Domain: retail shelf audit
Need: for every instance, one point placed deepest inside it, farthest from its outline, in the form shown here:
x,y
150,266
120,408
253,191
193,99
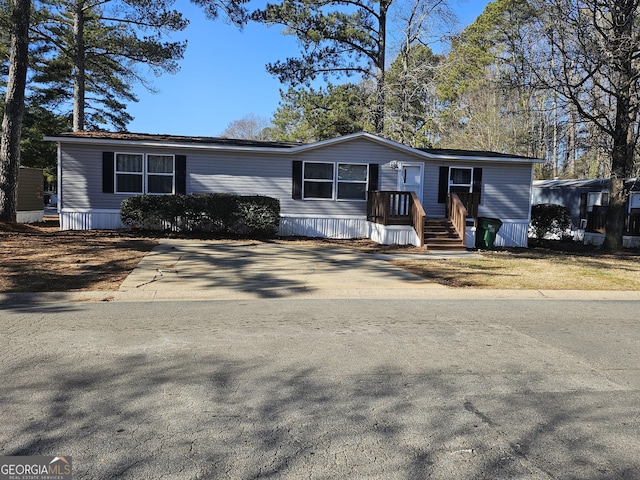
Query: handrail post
x,y
457,213
417,217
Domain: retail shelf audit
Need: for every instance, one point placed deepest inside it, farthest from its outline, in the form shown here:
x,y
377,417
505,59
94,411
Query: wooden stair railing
x,y
417,217
457,213
396,208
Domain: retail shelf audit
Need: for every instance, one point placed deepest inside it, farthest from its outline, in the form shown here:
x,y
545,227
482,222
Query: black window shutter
x,y
108,169
443,184
477,183
374,173
296,190
181,174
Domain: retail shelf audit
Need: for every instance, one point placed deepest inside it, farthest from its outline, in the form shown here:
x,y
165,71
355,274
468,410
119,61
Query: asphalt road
x,y
389,389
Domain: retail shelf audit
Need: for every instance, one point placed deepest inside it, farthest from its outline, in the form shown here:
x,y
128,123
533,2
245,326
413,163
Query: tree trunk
x,y
572,142
622,160
621,168
404,113
616,213
380,69
14,110
78,67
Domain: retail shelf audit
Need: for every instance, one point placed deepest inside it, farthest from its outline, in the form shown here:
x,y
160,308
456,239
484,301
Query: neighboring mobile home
x,y
357,186
30,195
587,201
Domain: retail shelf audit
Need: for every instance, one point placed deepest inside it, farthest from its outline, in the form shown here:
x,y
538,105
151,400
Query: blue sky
x,y
223,76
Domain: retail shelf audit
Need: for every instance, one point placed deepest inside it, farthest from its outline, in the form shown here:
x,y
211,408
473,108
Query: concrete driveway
x,y
223,270
250,269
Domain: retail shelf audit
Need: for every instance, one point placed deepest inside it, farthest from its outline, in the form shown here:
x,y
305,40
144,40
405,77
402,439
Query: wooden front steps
x,y
439,234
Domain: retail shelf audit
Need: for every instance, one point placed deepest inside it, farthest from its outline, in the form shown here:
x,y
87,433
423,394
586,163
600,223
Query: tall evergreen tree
x,y
100,47
313,115
14,107
37,123
339,37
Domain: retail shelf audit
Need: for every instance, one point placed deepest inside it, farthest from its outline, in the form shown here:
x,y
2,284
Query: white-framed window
x,y
334,181
352,181
597,199
460,180
129,173
160,169
634,201
140,173
318,180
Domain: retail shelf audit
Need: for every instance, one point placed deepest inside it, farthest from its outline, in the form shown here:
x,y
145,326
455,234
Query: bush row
x,y
216,213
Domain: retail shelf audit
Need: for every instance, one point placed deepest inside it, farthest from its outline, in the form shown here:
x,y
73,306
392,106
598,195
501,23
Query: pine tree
x,y
14,108
92,53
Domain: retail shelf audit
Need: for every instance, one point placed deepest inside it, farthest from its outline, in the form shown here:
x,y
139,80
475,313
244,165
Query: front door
x,y
410,178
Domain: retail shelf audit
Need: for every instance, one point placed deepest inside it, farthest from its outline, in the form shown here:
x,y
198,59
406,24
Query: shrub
x,y
550,221
218,213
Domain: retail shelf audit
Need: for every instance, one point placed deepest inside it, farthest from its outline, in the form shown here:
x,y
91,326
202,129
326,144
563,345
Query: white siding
x,y
393,234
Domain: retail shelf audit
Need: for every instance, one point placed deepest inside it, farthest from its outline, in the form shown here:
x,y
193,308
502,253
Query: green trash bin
x,y
486,232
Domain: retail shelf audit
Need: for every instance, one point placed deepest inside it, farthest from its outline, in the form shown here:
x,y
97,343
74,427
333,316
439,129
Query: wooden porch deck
x,y
404,208
596,222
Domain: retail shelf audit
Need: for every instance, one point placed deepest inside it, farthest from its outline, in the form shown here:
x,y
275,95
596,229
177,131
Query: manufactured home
x,y
356,186
30,195
587,201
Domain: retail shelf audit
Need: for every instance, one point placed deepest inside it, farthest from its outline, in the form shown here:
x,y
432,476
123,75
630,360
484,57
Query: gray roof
x,y
573,183
471,153
586,183
164,138
272,147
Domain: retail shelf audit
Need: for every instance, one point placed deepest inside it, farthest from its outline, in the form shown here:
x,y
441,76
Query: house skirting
x,y
90,219
323,227
302,226
598,239
290,226
346,227
393,234
513,233
30,216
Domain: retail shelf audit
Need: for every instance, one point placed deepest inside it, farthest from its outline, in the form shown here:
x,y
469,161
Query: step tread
x,y
440,234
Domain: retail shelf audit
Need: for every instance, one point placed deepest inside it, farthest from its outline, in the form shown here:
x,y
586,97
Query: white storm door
x,y
410,178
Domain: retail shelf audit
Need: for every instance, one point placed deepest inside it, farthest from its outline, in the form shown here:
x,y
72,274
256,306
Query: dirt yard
x,y
40,258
